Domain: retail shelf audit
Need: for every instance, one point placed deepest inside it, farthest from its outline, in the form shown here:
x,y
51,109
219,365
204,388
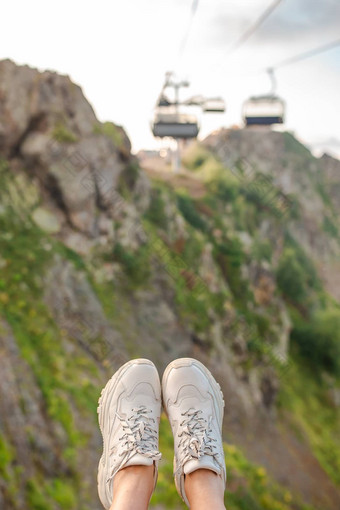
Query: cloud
x,y
299,20
292,20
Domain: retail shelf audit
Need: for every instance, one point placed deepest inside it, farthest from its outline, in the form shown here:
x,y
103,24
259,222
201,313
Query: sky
x,y
119,51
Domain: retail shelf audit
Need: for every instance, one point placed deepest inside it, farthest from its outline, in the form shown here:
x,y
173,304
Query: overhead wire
x,y
306,55
254,27
289,61
247,34
240,41
184,42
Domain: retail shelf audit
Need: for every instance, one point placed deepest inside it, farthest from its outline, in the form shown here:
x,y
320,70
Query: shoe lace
x,y
196,438
140,436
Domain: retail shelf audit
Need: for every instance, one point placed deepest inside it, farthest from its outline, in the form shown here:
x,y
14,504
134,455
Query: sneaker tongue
x,y
139,460
205,462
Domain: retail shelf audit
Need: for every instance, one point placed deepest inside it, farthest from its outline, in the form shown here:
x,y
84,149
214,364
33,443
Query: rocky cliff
x,y
235,262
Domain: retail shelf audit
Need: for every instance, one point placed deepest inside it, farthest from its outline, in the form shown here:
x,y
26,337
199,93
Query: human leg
x,y
129,412
194,404
204,489
132,488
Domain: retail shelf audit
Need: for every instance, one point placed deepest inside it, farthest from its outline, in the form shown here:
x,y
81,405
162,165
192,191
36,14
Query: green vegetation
x,y
318,340
261,191
127,180
9,472
230,256
226,229
249,486
316,322
245,215
330,228
193,298
36,497
226,188
48,495
165,489
305,402
27,254
253,488
32,325
296,148
62,134
296,274
262,250
111,130
156,211
195,156
136,264
187,207
291,277
63,493
6,457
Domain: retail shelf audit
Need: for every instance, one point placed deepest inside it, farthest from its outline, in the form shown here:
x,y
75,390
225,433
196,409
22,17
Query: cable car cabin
x,y
264,111
215,104
175,125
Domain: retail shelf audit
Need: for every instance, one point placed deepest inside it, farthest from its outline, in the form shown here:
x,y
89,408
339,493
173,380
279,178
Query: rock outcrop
x,y
47,125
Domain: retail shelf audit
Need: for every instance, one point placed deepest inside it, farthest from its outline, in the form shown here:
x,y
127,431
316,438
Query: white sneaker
x,y
129,412
194,404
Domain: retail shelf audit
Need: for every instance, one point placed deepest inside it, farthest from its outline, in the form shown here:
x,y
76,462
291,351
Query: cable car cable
x,y
248,33
307,54
275,104
252,29
184,42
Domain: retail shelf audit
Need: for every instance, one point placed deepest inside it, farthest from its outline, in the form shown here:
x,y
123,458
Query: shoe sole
x,y
105,399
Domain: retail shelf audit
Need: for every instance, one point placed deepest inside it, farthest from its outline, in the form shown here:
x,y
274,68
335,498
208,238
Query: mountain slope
x,y
99,263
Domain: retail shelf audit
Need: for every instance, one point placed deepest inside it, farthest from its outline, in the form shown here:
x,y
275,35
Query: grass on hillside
x,y
306,401
63,380
249,486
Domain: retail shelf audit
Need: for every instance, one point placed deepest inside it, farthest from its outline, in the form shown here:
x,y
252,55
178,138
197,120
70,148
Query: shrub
x,y
296,274
35,497
262,250
110,130
226,188
245,215
188,209
156,211
192,250
63,135
211,169
63,493
230,257
127,180
135,264
319,340
291,277
6,457
330,228
195,156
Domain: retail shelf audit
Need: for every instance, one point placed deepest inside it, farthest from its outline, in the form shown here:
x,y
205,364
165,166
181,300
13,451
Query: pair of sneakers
x,y
129,413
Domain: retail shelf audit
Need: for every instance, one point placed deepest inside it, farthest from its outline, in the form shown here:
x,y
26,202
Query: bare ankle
x,y
132,487
204,489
